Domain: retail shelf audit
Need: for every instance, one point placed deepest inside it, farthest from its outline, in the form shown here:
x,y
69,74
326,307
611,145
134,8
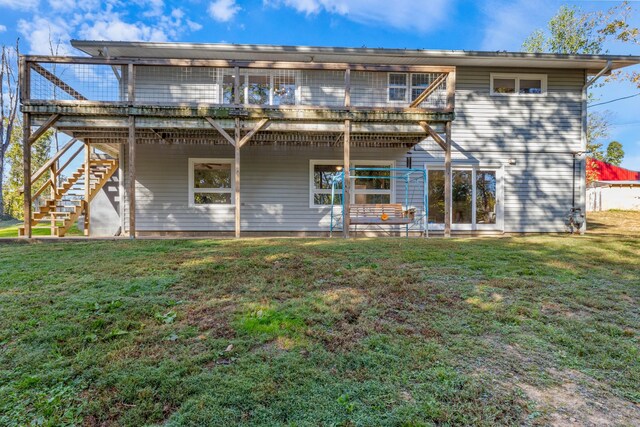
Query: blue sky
x,y
431,24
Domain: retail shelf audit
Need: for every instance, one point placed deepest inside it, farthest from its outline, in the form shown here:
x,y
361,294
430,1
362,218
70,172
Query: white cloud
x,y
19,4
223,10
3,28
110,26
411,15
63,5
43,34
507,25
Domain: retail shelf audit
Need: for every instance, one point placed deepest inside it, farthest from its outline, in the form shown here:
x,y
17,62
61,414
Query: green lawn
x,y
9,230
524,330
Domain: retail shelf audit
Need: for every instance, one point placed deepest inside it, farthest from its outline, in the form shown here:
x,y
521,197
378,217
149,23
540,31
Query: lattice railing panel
x,y
69,82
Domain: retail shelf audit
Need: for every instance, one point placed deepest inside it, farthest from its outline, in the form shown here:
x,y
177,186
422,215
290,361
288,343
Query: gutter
x,y
605,70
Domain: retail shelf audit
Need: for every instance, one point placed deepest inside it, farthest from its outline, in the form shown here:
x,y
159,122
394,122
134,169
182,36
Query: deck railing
x,y
236,84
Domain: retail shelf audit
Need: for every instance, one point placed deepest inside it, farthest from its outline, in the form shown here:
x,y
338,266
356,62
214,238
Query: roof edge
x,y
267,48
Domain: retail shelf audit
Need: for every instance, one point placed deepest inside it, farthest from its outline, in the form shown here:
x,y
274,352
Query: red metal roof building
x,y
598,170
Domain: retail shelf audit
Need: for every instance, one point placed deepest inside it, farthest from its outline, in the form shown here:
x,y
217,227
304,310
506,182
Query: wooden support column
x,y
236,85
87,188
451,90
53,178
132,177
131,84
347,87
26,164
237,179
347,180
447,181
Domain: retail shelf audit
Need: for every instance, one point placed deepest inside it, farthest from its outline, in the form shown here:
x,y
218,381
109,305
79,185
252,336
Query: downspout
x,y
583,150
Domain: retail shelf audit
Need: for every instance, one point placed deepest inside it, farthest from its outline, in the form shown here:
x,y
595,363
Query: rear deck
x,y
119,104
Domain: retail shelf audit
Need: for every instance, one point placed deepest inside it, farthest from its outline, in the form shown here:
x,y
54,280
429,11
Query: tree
x,y
40,154
569,31
8,107
597,130
573,31
616,26
615,153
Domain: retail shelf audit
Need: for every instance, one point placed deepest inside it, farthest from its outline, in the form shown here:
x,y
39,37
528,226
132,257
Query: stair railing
x,y
54,172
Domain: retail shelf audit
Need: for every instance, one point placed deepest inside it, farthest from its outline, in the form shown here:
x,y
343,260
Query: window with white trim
x,y
211,182
262,87
518,84
368,186
474,195
397,88
407,87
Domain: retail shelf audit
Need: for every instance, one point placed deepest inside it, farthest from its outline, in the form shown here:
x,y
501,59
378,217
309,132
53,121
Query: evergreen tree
x,y
615,153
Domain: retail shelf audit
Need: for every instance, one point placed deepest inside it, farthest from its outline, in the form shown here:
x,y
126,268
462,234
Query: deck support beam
x,y
236,164
222,132
447,182
346,184
87,188
132,177
26,164
42,129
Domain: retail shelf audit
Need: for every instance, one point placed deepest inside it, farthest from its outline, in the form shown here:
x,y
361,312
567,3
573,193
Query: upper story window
x,y
518,84
262,87
397,91
406,87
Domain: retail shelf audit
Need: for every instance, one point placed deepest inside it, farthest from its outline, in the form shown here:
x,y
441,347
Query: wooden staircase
x,y
69,200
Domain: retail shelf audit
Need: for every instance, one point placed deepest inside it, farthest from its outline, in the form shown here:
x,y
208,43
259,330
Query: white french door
x,y
476,193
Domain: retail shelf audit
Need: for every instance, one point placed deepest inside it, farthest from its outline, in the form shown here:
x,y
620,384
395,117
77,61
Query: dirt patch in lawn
x,y
564,397
213,320
581,401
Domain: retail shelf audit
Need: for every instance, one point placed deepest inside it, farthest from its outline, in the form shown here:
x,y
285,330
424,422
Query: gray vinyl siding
x,y
530,138
274,188
539,134
201,85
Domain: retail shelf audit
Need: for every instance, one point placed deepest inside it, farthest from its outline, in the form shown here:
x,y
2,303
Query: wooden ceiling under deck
x,y
170,136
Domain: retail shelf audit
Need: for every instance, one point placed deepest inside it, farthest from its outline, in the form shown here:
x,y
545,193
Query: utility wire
x,y
614,100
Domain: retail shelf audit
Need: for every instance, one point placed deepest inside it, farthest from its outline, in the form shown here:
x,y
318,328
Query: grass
x,y
9,230
513,331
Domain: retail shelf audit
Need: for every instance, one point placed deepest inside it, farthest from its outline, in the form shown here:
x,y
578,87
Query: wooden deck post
x,y
53,178
447,182
451,90
87,188
347,180
132,177
26,164
237,179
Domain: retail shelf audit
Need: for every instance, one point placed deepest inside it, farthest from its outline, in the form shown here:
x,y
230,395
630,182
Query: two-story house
x,y
199,139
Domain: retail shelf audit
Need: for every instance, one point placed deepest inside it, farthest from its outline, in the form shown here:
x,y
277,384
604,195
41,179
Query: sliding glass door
x,y
476,194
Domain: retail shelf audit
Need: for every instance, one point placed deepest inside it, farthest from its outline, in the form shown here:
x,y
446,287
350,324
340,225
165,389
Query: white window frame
x,y
474,168
412,87
193,190
517,77
354,164
244,85
395,86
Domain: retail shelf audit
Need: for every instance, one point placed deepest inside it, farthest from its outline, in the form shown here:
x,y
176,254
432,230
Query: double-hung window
x,y
211,182
397,89
404,88
371,184
518,84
